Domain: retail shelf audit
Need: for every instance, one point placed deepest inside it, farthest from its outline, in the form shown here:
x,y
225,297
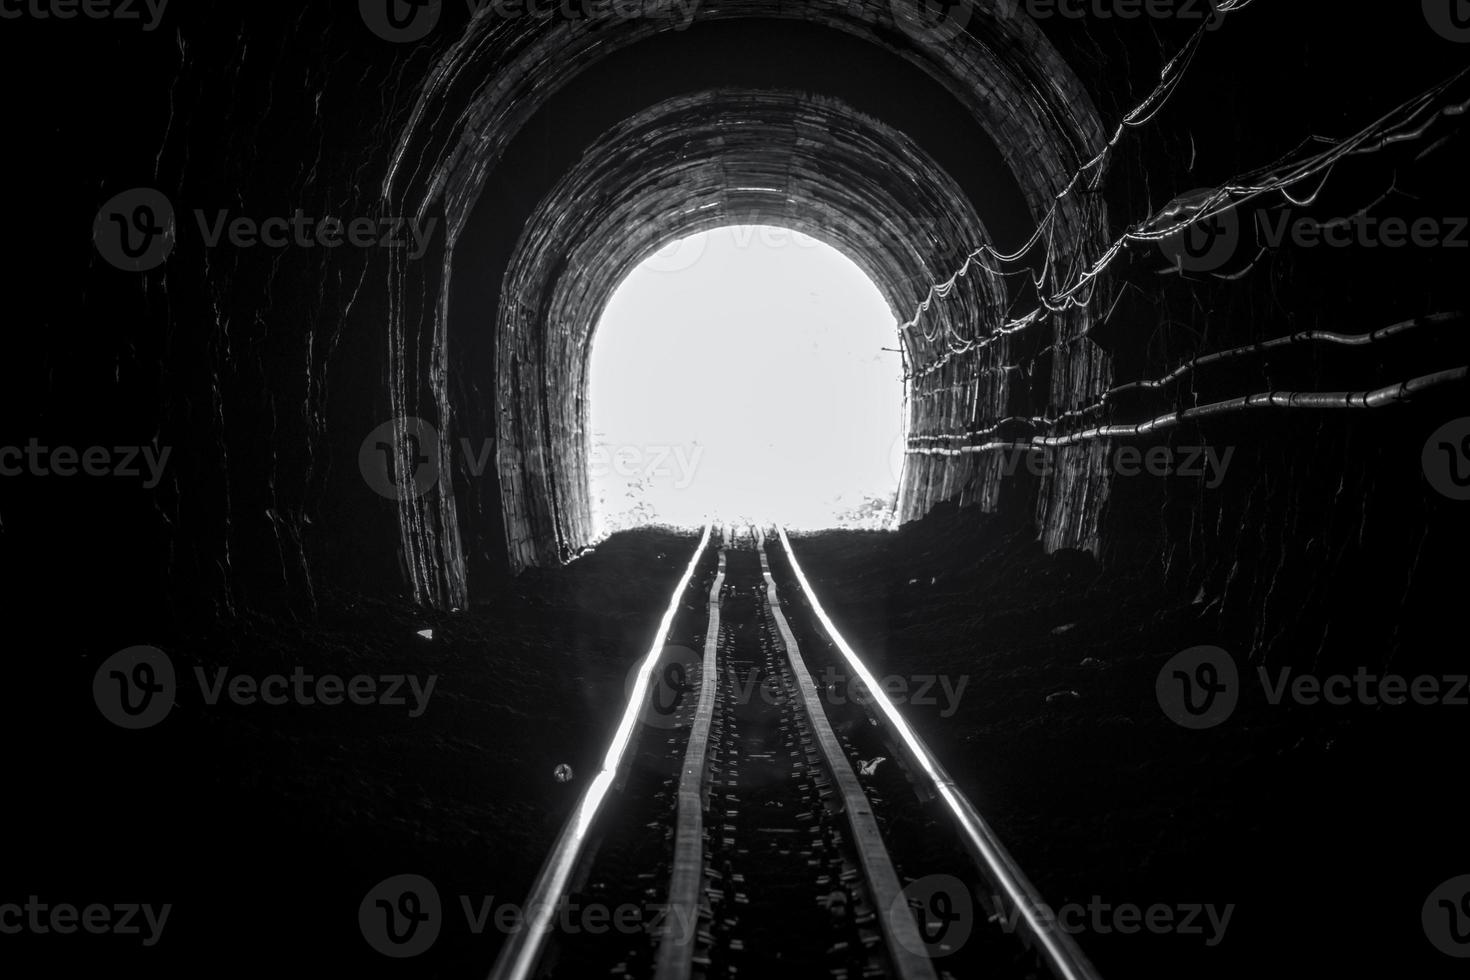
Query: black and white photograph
x,y
735,489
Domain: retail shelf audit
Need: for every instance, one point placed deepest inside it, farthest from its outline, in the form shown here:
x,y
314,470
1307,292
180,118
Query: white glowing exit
x,y
741,374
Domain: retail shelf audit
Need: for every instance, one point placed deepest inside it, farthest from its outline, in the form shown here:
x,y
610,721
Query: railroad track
x,y
747,837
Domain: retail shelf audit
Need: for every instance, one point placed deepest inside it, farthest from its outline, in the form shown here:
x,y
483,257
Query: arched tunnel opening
x,y
779,355
814,165
678,488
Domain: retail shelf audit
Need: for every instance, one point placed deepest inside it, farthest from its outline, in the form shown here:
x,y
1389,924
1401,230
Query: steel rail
x,y
1057,950
675,959
519,955
906,947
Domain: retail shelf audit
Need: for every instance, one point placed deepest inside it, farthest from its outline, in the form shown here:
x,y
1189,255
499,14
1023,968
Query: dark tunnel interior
x,y
1178,289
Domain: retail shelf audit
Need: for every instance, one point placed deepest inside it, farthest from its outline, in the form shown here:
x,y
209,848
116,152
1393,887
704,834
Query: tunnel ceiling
x,y
491,81
692,118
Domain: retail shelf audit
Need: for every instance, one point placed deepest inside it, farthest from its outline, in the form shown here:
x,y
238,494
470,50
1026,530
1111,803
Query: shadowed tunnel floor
x,y
265,826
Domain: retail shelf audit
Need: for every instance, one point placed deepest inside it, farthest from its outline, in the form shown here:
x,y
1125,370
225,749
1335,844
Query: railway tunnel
x,y
1018,149
810,150
1177,292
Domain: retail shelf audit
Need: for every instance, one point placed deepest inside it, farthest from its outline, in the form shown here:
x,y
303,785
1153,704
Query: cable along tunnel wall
x,y
822,167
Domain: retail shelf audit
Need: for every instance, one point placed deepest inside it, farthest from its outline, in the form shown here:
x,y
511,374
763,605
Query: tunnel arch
x,y
487,88
685,166
499,71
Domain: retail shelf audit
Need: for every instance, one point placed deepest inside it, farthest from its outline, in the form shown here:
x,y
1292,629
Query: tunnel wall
x,y
1004,75
265,369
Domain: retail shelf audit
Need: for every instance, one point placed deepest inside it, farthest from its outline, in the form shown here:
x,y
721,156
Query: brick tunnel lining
x,y
1004,75
696,163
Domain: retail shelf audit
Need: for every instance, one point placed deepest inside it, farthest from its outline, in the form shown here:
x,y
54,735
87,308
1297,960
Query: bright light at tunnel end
x,y
748,373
